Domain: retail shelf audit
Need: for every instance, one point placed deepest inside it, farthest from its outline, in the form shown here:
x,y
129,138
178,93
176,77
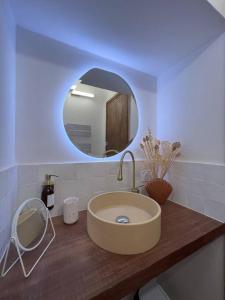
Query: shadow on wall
x,y
45,48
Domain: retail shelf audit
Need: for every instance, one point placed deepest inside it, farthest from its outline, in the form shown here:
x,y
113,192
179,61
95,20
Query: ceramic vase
x,y
159,190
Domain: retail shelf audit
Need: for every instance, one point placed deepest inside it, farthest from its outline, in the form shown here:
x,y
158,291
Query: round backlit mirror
x,y
30,224
100,114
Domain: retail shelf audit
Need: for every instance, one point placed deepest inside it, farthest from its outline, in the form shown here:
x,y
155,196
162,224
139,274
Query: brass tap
x,y
120,173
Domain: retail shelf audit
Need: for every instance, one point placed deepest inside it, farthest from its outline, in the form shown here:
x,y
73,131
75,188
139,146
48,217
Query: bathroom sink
x,y
124,222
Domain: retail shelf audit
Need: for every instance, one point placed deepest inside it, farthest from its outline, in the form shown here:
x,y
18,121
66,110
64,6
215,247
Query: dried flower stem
x,y
159,156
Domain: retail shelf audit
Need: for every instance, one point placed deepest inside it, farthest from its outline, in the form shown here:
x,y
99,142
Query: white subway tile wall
x,y
199,186
83,180
8,196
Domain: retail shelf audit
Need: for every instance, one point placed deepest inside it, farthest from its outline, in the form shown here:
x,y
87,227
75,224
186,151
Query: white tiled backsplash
x,y
196,185
8,195
200,187
83,180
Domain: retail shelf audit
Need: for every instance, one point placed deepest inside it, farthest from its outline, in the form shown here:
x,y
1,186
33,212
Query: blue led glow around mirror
x,y
74,151
100,113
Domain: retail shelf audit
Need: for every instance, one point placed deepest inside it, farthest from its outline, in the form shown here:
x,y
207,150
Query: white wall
x,y
7,86
8,173
45,71
191,109
191,106
199,276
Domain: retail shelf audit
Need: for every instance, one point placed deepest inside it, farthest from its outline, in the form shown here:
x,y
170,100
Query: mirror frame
x,y
15,242
15,221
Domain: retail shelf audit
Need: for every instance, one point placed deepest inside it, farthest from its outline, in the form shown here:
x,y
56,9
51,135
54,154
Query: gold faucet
x,y
120,173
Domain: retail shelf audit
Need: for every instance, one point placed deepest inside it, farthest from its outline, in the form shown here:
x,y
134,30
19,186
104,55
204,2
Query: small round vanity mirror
x,y
30,224
100,114
29,227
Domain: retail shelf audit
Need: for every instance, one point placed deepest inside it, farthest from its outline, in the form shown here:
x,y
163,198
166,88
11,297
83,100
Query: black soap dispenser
x,y
48,193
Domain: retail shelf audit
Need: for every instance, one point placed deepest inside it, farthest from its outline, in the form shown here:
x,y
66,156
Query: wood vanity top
x,y
75,268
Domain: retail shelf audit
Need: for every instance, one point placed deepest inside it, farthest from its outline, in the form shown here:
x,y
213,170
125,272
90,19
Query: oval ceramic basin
x,y
139,235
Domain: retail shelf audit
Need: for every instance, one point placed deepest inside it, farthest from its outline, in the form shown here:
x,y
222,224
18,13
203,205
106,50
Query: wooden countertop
x,y
75,268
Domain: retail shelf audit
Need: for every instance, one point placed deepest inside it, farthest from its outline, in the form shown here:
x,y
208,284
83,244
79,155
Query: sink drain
x,y
122,220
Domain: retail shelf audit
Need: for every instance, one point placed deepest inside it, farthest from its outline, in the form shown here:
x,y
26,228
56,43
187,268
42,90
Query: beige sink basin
x,y
139,235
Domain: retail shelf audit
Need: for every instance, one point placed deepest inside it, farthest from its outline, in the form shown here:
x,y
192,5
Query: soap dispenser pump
x,y
48,193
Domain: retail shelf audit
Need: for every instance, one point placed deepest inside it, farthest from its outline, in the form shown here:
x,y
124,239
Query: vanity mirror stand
x,y
29,227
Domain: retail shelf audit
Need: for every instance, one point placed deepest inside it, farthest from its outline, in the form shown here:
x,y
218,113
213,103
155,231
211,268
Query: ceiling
x,y
147,35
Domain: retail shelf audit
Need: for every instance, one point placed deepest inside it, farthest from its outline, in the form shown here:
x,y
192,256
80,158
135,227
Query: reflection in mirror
x,y
31,224
100,114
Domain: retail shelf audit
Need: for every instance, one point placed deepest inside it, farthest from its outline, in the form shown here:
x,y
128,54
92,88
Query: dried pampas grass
x,y
159,155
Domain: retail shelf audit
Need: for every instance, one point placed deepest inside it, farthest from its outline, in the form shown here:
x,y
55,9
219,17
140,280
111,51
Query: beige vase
x,y
159,190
